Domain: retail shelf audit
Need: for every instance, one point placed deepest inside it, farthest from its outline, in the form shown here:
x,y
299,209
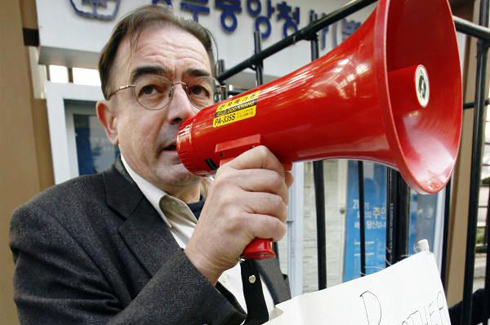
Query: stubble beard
x,y
175,177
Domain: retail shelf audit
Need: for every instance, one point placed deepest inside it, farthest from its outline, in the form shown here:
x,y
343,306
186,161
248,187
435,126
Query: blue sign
x,y
375,220
90,8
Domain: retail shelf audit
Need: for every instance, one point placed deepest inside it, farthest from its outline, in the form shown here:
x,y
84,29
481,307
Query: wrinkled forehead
x,y
167,46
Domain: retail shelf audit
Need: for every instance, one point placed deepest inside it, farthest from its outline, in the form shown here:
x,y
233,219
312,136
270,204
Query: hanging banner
x,y
407,293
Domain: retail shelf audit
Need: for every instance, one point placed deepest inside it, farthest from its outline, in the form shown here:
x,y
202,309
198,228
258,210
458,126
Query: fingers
x,y
258,157
262,226
258,180
262,158
265,204
248,199
289,179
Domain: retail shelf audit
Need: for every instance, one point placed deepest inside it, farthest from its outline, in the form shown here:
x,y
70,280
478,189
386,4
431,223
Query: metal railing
x,y
397,190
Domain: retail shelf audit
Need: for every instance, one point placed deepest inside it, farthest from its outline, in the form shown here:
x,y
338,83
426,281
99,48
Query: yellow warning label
x,y
236,110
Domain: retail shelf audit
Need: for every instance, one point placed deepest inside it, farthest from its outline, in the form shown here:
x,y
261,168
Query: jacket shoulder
x,y
72,194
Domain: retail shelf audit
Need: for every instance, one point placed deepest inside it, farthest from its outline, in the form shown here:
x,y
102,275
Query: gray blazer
x,y
93,250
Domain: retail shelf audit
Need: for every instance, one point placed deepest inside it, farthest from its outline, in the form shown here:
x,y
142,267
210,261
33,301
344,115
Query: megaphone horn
x,y
390,93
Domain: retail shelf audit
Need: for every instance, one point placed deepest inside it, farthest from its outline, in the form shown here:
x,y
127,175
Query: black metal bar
x,y
398,217
220,67
320,223
315,49
319,201
362,218
487,222
479,31
401,219
306,33
486,301
259,66
475,175
447,207
391,190
472,104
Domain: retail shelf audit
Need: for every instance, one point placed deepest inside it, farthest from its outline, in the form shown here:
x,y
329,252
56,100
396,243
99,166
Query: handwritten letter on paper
x,y
408,293
434,312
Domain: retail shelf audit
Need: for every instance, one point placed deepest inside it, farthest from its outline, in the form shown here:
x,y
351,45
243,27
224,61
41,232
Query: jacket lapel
x,y
149,238
143,230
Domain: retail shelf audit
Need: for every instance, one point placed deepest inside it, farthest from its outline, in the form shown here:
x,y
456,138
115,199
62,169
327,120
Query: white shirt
x,y
182,222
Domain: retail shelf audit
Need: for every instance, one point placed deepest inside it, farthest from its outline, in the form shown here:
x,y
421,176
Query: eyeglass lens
x,y
155,92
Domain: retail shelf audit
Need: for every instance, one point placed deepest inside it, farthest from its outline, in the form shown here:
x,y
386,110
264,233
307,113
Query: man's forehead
x,y
158,48
149,69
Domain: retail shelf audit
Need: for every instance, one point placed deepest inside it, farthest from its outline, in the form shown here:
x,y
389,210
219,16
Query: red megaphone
x,y
391,94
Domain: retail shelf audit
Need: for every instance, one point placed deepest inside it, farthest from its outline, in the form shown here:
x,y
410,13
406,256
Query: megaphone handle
x,y
259,248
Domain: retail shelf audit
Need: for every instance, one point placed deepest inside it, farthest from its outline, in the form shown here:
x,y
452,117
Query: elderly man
x,y
147,242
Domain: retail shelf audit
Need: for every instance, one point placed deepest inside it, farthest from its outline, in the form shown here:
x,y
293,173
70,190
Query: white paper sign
x,y
407,293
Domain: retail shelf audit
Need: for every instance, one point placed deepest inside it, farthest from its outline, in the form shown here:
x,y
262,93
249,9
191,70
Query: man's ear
x,y
108,119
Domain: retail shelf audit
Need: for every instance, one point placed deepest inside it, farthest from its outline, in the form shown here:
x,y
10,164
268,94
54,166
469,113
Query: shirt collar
x,y
150,191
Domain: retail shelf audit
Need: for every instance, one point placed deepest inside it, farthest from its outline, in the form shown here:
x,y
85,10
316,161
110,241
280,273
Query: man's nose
x,y
180,108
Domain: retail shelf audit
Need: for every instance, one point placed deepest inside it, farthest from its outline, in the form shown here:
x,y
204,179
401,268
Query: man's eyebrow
x,y
197,73
147,69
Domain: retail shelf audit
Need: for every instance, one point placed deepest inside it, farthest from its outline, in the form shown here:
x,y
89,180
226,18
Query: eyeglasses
x,y
155,92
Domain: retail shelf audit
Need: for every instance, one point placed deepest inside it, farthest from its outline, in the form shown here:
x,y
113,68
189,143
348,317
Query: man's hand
x,y
247,199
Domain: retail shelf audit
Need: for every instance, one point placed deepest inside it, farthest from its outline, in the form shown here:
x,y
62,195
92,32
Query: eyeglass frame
x,y
217,95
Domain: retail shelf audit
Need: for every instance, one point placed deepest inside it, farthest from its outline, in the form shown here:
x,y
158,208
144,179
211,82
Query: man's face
x,y
147,138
